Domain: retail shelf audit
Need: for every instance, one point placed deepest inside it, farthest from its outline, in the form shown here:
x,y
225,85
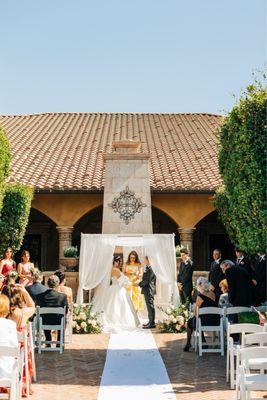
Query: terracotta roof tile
x,y
64,150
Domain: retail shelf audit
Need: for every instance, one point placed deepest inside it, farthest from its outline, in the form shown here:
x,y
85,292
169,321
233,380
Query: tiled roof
x,y
64,150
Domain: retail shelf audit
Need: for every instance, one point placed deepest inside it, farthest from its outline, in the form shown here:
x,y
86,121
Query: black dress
x,y
207,319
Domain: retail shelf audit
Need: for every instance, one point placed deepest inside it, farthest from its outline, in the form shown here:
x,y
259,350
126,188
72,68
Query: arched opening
x,y
210,234
41,240
92,223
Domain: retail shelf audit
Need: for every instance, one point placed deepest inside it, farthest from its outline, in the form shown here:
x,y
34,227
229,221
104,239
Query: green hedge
x,y
4,162
241,202
14,215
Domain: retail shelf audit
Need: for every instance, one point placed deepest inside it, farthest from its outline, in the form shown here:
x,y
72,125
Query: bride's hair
x,y
133,253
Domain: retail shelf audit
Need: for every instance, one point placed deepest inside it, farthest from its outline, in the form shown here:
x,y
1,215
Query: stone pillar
x,y
127,197
186,238
65,237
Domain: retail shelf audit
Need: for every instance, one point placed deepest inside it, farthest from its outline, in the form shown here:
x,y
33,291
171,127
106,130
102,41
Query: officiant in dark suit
x,y
185,276
148,285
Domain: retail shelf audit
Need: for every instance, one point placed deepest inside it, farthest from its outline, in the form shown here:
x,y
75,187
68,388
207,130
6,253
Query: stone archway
x,y
210,233
162,223
41,240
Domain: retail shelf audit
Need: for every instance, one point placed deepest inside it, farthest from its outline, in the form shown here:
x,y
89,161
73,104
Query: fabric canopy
x,y
96,260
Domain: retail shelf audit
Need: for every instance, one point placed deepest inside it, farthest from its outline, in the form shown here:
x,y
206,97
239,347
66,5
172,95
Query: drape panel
x,y
96,260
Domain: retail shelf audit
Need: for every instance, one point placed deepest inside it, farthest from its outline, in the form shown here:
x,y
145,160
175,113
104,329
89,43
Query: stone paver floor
x,y
76,374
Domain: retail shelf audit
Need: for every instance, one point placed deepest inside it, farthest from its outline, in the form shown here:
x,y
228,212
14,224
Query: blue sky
x,y
128,55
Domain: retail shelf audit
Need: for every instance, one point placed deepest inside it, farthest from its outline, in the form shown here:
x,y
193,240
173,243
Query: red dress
x,y
7,267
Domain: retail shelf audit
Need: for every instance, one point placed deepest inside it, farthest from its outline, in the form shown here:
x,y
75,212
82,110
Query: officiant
x,y
148,285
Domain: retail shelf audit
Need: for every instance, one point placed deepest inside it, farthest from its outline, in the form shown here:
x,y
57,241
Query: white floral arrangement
x,y
176,319
84,320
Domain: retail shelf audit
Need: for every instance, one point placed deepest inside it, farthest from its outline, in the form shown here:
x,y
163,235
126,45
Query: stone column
x,y
65,237
186,238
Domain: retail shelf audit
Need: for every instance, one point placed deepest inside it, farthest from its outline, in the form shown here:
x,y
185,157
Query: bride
x,y
114,304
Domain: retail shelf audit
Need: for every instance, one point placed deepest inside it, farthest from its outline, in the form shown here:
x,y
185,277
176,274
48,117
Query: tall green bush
x,y
241,202
14,216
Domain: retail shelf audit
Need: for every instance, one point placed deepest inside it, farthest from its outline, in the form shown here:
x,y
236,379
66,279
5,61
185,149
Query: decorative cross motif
x,y
127,205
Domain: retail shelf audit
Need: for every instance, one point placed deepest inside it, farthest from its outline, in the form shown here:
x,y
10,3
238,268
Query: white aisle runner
x,y
134,369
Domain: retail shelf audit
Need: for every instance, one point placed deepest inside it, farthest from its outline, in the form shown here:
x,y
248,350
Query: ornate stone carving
x,y
127,205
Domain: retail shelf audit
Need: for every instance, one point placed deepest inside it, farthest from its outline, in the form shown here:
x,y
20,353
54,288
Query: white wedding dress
x,y
115,306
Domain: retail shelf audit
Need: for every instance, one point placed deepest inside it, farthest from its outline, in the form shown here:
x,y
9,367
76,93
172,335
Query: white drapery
x,y
96,260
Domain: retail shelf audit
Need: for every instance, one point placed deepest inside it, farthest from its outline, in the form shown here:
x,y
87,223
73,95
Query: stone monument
x,y
127,198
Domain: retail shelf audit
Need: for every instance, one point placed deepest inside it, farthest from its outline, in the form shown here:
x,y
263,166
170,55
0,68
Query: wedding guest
x,y
37,287
260,268
25,268
62,288
133,270
240,286
205,298
224,298
216,274
148,285
7,263
184,279
52,298
8,337
243,261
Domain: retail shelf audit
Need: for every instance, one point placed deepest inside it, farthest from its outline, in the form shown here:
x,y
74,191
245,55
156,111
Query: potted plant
x,y
70,259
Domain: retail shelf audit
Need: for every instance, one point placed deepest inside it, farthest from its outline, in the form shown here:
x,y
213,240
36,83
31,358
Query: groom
x,y
148,284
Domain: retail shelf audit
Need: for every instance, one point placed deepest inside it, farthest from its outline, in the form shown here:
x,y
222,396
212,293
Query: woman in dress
x,y
114,304
7,263
62,288
133,270
25,269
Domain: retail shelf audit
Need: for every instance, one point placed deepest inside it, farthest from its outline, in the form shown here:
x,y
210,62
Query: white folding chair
x,y
254,339
231,346
12,383
24,365
216,328
234,311
46,327
69,320
32,348
248,359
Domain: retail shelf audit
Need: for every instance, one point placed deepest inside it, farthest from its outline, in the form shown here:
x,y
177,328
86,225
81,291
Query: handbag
x,y
248,317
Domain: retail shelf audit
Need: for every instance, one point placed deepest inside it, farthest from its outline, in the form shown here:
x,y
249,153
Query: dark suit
x,y
35,289
185,278
245,263
260,276
51,298
148,285
240,287
215,277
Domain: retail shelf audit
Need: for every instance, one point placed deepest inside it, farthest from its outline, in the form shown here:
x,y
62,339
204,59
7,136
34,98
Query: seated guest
x,y
8,337
184,279
37,287
216,274
205,298
62,288
224,300
52,298
260,278
240,286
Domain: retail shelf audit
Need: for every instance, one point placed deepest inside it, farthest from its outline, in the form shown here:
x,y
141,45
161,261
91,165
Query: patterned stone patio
x,y
76,374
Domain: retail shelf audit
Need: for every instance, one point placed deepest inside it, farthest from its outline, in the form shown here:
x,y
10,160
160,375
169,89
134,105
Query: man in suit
x,y
52,298
216,275
37,287
148,285
260,278
243,261
240,286
184,279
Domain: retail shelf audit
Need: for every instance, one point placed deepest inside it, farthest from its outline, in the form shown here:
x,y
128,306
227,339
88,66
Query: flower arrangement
x,y
84,320
71,252
176,320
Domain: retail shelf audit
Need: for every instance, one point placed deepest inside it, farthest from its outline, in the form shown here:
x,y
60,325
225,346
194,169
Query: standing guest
x,y
8,337
240,286
25,268
62,288
243,261
216,274
148,285
260,277
7,263
52,298
205,298
37,287
184,279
